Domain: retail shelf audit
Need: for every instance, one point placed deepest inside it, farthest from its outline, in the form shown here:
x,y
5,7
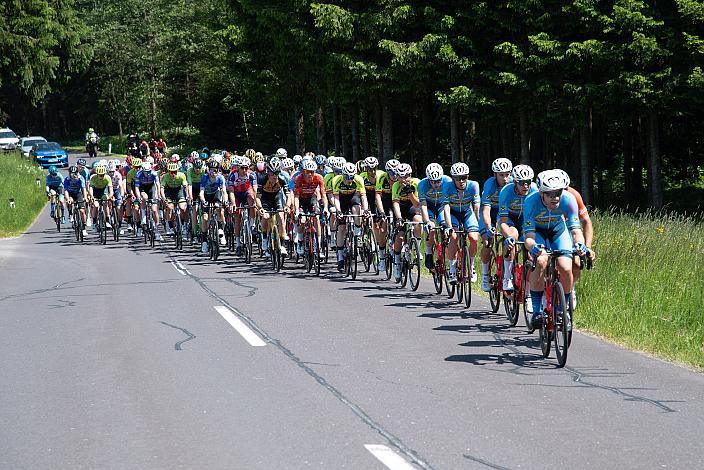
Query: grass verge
x,y
18,181
645,291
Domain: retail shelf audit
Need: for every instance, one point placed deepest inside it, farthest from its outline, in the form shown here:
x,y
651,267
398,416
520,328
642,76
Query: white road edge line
x,y
181,271
388,457
239,325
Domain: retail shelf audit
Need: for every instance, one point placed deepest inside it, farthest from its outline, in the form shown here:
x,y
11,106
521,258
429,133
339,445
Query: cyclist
x,y
430,197
242,186
382,194
272,190
511,200
54,182
173,191
406,206
131,188
281,153
144,150
99,182
551,216
147,188
75,187
83,171
118,189
92,140
213,190
309,188
161,146
322,163
350,197
337,164
490,209
193,178
370,177
461,200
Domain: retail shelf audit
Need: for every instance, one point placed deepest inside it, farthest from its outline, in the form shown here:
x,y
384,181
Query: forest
x,y
611,91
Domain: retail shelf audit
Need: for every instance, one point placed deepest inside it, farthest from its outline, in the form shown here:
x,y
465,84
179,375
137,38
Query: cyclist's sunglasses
x,y
435,181
308,172
461,178
523,182
553,194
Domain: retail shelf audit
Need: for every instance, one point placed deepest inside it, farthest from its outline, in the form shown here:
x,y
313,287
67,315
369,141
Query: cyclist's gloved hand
x,y
509,241
261,210
492,231
427,227
537,250
448,231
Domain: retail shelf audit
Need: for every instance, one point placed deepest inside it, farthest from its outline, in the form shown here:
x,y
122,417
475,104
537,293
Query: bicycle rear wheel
x,y
365,252
58,215
449,288
315,252
115,224
101,227
353,257
561,323
307,251
178,233
526,270
461,272
438,268
246,241
545,329
494,292
414,264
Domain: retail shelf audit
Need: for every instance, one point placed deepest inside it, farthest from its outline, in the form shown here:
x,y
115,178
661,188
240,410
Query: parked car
x,y
26,143
8,139
49,153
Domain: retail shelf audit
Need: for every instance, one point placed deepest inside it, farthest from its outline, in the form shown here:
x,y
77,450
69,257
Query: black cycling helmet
x,y
213,164
82,162
72,169
197,163
206,150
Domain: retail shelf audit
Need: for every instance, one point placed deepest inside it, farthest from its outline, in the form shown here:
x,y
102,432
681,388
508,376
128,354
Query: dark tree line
x,y
611,91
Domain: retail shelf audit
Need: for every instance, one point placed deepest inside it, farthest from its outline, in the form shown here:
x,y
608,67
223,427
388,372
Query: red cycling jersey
x,y
581,208
306,189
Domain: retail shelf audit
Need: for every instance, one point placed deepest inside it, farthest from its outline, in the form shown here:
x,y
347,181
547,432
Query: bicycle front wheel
x,y
353,257
494,292
560,322
414,265
467,278
101,228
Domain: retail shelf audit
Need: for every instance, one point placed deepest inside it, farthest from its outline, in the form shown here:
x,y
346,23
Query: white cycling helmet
x,y
552,180
309,165
522,173
336,163
349,169
245,161
308,156
274,165
459,169
111,166
194,155
540,176
103,162
149,160
371,162
288,164
434,171
403,170
565,176
147,166
391,165
501,165
217,157
297,159
281,152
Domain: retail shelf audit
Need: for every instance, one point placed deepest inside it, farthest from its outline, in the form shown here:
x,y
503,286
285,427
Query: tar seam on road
x,y
578,375
393,440
484,462
190,335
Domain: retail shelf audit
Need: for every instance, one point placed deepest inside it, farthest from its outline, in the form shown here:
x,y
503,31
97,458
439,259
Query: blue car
x,y
49,153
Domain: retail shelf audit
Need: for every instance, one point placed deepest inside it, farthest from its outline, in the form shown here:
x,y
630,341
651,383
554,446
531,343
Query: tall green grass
x,y
646,290
18,181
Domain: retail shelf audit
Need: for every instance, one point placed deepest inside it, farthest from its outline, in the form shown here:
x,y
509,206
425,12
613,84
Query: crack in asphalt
x,y
577,377
190,335
361,414
484,462
40,291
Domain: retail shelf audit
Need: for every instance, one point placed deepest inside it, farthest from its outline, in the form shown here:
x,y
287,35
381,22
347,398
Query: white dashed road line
x,y
388,457
239,325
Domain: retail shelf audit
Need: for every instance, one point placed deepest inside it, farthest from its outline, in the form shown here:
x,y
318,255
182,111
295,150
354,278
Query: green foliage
x,y
17,181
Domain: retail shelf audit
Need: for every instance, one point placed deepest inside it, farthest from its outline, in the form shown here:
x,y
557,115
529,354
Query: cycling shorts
x,y
408,211
57,189
272,202
175,194
78,198
468,219
149,190
243,198
493,215
556,241
309,205
347,202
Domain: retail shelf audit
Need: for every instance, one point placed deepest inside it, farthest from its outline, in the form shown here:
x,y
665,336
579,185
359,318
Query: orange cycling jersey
x,y
581,208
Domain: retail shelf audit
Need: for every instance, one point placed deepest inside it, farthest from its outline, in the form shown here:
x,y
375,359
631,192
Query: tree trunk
x,y
427,131
345,134
585,160
366,129
505,139
412,143
300,131
321,132
355,131
472,154
387,128
525,137
454,134
655,185
336,130
379,131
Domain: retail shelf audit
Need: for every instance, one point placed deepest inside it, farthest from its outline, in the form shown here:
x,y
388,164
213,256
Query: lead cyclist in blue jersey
x,y
551,222
490,210
461,205
430,197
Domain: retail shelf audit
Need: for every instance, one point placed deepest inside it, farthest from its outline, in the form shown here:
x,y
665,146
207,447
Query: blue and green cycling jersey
x,y
490,192
538,217
211,186
511,204
53,181
431,196
460,201
74,185
146,178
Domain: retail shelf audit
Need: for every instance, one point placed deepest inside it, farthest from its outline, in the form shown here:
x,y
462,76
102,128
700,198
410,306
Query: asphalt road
x,y
121,356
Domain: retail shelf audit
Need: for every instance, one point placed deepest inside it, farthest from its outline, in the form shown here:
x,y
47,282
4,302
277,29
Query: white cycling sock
x,y
508,266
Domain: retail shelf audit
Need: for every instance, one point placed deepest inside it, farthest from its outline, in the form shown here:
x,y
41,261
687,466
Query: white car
x,y
26,143
8,139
